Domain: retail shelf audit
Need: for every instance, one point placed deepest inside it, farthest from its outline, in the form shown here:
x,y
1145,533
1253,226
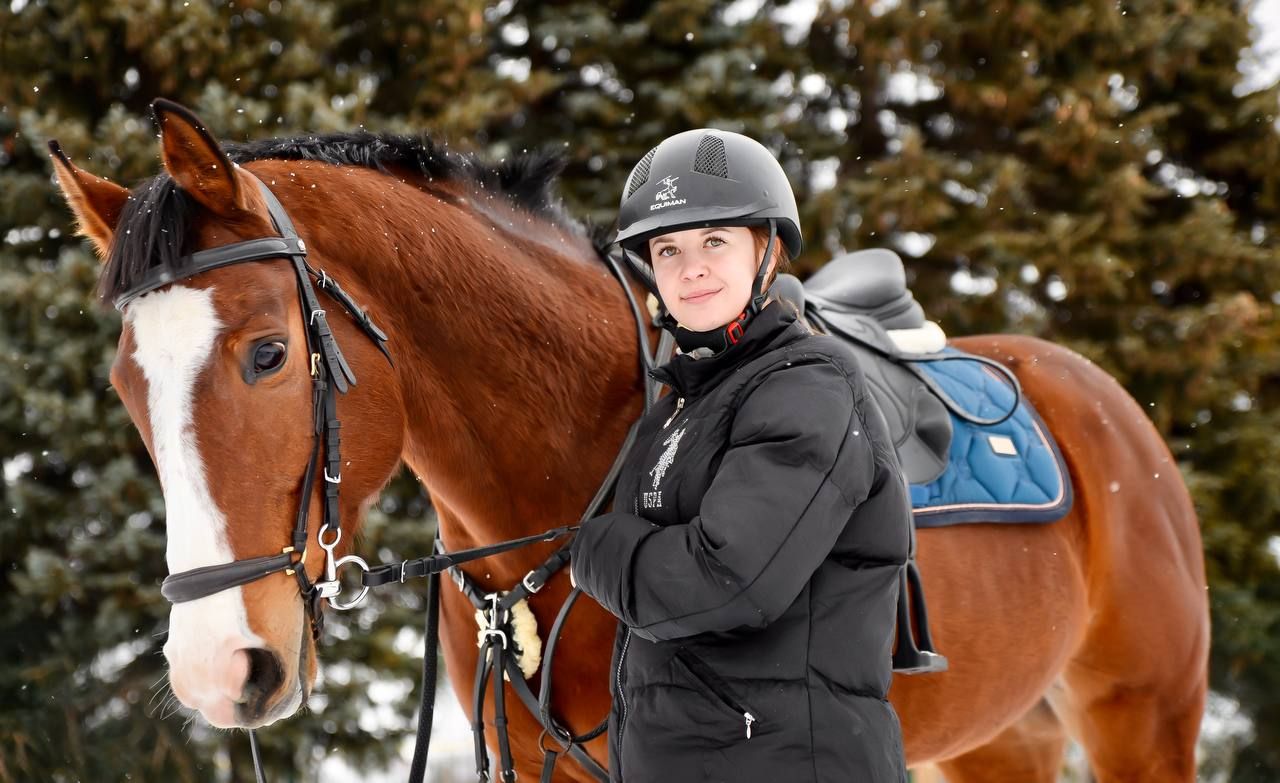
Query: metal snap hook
x,y
493,618
330,588
329,546
333,599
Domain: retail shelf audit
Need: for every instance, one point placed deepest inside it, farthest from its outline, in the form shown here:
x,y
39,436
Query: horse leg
x,y
1132,730
1133,692
1029,750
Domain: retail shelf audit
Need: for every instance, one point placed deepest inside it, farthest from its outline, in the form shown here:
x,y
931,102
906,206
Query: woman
x,y
759,523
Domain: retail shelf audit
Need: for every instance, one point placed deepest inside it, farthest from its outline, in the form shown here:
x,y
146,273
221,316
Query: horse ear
x,y
95,201
195,161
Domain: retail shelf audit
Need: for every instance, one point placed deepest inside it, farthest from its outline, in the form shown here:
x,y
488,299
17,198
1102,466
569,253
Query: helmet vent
x,y
640,174
710,158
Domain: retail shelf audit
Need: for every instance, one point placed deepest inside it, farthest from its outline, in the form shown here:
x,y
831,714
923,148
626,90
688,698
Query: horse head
x,y
219,371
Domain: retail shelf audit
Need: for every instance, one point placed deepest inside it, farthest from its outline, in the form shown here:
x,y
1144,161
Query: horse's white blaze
x,y
175,331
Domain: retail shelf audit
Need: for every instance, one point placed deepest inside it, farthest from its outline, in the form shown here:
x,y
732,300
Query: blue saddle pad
x,y
1006,472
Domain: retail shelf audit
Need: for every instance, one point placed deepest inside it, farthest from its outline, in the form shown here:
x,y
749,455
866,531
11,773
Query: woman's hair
x,y
761,235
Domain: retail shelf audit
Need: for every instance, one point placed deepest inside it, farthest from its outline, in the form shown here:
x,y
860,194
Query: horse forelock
x,y
154,230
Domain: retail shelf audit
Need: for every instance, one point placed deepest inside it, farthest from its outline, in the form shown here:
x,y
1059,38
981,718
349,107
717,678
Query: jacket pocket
x,y
720,690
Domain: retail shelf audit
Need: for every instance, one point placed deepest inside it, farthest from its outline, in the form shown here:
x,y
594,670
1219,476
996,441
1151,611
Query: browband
x,y
214,258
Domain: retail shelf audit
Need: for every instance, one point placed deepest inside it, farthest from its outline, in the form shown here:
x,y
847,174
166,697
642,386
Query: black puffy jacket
x,y
752,556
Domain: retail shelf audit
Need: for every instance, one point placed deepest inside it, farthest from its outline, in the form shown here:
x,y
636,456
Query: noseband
x,y
330,374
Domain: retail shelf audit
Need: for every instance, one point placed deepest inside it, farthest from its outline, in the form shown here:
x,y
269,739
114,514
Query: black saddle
x,y
858,297
870,283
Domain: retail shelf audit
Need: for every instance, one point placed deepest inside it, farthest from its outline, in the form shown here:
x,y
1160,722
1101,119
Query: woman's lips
x,y
702,297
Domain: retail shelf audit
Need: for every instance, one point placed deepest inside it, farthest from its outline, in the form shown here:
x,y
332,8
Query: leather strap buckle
x,y
531,588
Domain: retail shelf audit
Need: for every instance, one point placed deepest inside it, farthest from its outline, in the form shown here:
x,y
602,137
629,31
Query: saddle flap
x,y
918,421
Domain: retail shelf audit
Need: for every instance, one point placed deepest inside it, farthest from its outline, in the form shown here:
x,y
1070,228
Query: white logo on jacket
x,y
659,469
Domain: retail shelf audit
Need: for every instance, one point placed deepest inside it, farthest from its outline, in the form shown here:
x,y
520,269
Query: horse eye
x,y
268,356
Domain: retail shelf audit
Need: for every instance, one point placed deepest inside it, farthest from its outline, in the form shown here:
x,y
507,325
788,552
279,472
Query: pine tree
x,y
83,621
1083,172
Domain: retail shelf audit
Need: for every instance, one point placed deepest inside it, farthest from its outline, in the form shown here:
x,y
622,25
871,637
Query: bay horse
x,y
516,377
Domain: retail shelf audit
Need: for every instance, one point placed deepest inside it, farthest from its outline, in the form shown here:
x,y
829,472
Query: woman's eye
x,y
268,356
717,240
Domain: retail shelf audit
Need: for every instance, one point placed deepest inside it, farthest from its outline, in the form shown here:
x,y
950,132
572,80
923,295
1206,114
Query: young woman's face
x,y
705,274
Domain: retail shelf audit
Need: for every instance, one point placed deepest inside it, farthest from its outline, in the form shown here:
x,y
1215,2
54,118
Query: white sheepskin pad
x,y
527,645
925,339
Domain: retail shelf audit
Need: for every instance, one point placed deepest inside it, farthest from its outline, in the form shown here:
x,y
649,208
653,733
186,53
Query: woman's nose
x,y
693,269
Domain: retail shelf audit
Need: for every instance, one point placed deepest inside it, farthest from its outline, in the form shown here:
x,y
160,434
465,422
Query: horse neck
x,y
514,347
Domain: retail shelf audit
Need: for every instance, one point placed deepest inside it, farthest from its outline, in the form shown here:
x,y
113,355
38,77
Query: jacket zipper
x,y
622,699
704,674
674,413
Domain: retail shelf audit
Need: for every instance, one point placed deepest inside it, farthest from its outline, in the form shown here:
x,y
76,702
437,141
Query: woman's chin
x,y
698,325
701,319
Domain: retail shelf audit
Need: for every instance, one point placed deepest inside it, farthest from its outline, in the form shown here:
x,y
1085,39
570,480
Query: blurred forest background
x,y
1094,173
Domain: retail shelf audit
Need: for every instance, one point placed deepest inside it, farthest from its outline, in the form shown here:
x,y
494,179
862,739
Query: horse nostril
x,y
265,677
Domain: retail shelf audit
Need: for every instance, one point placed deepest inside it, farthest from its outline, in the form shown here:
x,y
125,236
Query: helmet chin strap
x,y
757,295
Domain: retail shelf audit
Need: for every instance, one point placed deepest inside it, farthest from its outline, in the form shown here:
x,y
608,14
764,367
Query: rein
x,y
330,375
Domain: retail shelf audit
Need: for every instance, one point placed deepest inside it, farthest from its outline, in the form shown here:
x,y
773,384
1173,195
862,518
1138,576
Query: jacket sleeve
x,y
798,463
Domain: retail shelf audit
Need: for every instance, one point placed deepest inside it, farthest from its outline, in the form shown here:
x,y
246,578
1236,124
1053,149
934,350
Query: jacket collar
x,y
774,325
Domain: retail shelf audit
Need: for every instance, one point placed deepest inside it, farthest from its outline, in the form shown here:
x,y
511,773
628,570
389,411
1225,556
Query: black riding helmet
x,y
699,178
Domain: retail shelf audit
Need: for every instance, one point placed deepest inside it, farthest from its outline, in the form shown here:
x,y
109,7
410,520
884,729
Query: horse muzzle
x,y
236,682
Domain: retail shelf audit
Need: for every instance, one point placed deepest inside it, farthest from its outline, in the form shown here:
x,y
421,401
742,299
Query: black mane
x,y
153,226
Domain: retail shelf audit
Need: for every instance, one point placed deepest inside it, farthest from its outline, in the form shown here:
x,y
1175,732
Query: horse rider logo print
x,y
654,499
666,197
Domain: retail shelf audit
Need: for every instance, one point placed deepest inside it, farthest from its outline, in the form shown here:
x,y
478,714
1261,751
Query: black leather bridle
x,y
330,374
